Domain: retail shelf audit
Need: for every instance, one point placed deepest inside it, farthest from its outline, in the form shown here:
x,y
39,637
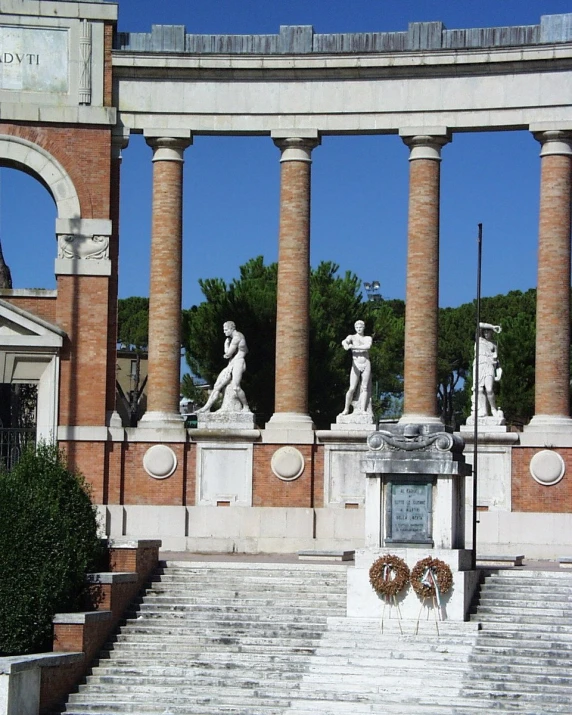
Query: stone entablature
x,y
301,39
52,62
432,80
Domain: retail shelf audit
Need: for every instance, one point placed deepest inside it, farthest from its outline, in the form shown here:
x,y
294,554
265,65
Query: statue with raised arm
x,y
490,372
359,394
235,350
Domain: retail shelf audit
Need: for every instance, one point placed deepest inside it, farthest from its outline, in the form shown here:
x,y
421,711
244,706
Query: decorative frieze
x,y
83,247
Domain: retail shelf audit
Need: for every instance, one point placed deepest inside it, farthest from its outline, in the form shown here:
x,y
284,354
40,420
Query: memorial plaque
x,y
33,59
408,507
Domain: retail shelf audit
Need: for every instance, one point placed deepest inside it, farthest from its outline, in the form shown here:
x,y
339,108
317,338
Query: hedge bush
x,y
48,540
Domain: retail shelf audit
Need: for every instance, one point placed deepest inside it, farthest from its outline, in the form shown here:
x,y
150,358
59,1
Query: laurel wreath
x,y
389,575
440,574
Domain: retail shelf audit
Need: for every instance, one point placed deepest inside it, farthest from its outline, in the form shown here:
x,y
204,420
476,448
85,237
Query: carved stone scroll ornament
x,y
414,439
83,247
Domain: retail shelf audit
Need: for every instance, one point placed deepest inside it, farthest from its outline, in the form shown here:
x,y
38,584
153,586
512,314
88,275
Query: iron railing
x,y
13,442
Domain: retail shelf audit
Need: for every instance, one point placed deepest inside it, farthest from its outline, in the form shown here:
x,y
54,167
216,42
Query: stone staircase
x,y
522,660
215,638
272,639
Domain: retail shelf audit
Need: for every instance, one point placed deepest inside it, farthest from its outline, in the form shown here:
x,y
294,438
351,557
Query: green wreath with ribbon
x,y
388,575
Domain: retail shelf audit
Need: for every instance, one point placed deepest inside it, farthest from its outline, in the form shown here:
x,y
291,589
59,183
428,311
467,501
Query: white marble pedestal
x,y
414,504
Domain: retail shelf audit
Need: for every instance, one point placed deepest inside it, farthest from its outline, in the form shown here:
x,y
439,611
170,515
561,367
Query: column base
x,y
161,420
289,427
113,419
413,418
548,431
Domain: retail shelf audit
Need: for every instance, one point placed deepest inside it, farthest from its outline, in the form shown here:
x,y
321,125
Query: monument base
x,y
225,420
356,422
364,602
414,509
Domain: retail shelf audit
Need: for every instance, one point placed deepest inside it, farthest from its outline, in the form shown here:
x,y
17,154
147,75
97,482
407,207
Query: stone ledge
x,y
81,618
112,577
20,663
565,562
135,543
500,560
358,436
326,555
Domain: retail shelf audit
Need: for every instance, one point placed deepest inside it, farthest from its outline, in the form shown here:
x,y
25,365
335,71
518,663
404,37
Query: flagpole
x,y
476,391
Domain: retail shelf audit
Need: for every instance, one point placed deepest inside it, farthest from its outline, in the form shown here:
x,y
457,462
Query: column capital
x,y
119,141
554,142
296,147
425,146
169,146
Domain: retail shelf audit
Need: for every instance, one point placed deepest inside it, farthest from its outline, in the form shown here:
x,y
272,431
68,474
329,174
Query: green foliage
x,y
386,321
515,312
48,539
133,323
455,355
250,301
335,304
191,390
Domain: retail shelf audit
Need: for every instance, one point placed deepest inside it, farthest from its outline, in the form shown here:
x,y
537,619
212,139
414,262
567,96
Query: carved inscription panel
x,y
34,59
409,512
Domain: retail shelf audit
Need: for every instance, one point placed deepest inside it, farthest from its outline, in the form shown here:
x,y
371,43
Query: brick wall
x,y
306,491
83,313
89,459
83,303
83,151
140,488
42,307
529,495
115,471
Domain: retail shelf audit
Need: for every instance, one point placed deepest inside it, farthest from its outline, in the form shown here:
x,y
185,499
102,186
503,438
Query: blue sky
x,y
359,184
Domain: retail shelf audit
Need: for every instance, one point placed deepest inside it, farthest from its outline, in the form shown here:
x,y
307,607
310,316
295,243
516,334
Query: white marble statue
x,y
490,372
359,394
235,350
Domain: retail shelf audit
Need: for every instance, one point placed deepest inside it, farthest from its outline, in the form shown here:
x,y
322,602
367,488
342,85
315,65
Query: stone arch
x,y
36,161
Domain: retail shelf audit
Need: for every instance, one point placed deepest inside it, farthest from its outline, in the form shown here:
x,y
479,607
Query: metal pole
x,y
476,391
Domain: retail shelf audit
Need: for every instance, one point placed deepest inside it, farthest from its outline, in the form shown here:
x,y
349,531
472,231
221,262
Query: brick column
x,y
422,292
165,285
293,298
552,381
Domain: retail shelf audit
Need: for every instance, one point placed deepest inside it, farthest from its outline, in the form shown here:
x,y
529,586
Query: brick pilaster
x,y
422,292
165,285
292,321
552,383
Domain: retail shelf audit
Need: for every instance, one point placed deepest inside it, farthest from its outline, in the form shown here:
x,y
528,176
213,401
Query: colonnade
x,y
422,292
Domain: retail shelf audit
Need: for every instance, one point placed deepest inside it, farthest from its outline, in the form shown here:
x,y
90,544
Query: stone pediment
x,y
21,330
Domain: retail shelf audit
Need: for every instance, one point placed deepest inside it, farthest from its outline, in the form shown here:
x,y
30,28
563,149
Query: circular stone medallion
x,y
547,467
160,461
287,463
